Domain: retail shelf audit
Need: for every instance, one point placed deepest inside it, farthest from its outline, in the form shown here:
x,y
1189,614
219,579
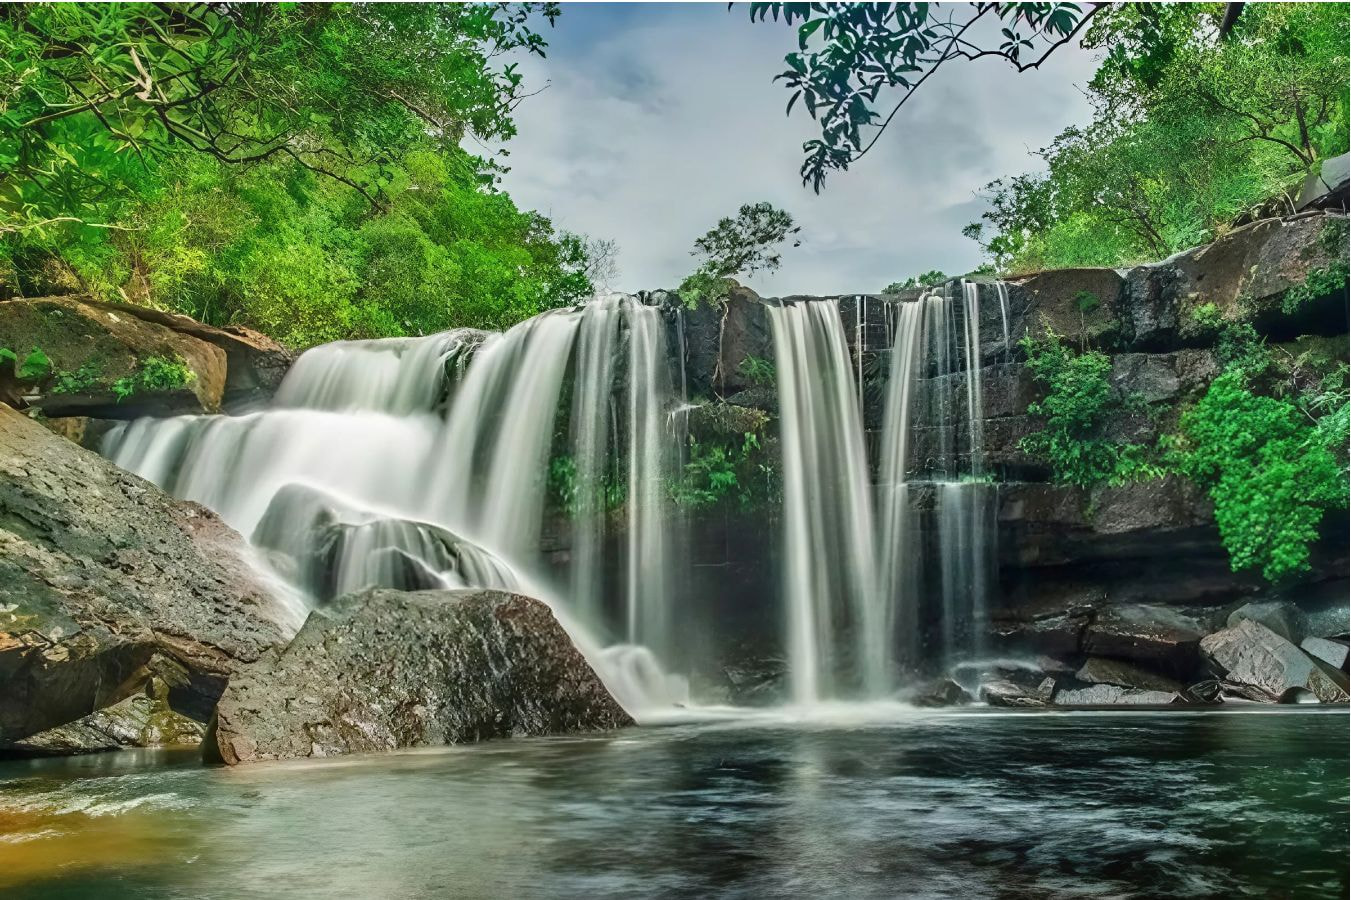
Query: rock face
x,y
99,354
105,579
380,670
1113,695
1253,655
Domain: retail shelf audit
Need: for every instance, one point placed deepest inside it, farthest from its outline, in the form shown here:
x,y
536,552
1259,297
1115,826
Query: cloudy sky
x,y
659,119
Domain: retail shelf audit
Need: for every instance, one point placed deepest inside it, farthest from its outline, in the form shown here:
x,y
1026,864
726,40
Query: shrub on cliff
x,y
1271,468
1076,411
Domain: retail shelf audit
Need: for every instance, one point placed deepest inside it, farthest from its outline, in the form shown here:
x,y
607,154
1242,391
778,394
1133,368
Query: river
x,y
872,803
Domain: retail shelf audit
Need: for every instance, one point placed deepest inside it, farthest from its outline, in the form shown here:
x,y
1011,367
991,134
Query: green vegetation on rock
x,y
1271,468
1077,410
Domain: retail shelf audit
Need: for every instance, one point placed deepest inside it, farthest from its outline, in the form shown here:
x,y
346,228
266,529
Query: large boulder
x,y
1157,638
381,669
1252,655
119,360
105,579
106,362
1114,695
1123,674
255,364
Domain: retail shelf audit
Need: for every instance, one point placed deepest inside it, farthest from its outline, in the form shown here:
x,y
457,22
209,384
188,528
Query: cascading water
x,y
377,467
456,459
829,584
936,362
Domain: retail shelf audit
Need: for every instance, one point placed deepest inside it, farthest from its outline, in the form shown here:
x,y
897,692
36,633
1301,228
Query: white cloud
x,y
659,119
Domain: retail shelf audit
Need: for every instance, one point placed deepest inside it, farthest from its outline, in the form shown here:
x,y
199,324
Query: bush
x,y
1271,473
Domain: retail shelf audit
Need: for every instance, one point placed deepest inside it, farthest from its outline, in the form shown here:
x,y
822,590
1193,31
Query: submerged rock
x,y
103,577
938,692
1252,655
381,670
1006,692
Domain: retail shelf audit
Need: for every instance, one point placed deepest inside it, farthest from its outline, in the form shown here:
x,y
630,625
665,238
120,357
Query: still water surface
x,y
942,804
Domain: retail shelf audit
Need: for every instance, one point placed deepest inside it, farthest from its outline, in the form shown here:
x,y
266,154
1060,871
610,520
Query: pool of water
x,y
935,804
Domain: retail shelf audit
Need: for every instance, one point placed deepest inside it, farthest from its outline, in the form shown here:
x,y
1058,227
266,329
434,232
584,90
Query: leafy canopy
x,y
851,57
296,168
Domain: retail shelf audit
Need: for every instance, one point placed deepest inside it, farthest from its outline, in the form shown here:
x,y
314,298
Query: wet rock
x,y
1281,617
99,357
718,419
1156,637
1123,674
332,547
937,692
380,670
1113,695
1334,653
745,335
142,720
102,575
1253,655
1017,694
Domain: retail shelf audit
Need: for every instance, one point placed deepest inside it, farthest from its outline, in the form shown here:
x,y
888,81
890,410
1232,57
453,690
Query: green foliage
x,y
1193,131
1079,406
1271,475
849,54
758,370
932,278
1321,282
568,492
155,373
703,287
34,367
82,379
719,471
295,168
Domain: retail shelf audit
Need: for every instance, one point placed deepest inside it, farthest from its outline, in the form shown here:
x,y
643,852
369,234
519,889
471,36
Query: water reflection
x,y
934,805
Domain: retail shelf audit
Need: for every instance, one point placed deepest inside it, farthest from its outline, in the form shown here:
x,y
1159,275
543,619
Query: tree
x,y
744,244
93,90
296,168
1191,133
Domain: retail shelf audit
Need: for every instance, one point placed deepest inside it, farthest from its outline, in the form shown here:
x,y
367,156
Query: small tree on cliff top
x,y
745,244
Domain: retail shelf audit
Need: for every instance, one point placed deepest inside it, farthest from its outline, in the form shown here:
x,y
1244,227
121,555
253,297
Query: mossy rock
x,y
108,363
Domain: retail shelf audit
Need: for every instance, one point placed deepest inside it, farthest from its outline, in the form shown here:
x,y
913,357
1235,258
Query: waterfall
x,y
935,364
829,576
541,459
394,463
